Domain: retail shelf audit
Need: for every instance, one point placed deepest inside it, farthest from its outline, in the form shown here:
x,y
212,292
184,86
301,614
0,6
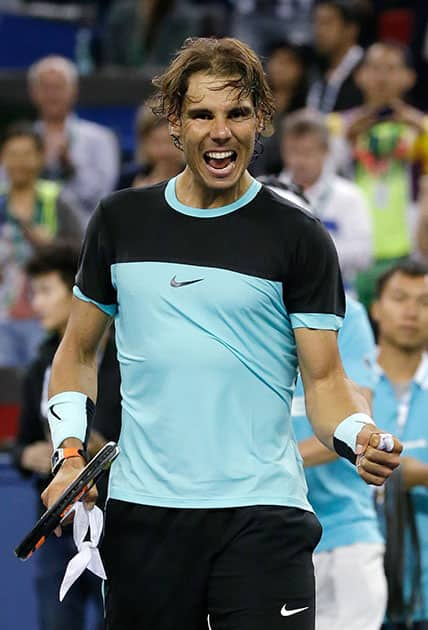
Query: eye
x,y
240,113
201,115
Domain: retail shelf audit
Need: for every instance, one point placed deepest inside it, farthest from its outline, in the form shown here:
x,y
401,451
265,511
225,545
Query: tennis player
x,y
218,288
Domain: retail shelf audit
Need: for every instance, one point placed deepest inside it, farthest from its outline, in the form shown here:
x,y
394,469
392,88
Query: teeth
x,y
219,155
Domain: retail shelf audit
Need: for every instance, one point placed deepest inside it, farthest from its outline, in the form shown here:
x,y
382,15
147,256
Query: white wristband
x,y
69,414
345,435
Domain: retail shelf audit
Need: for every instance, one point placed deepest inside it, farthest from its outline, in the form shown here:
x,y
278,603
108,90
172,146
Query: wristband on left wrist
x,y
345,435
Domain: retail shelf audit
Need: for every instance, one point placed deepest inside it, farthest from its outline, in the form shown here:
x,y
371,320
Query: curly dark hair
x,y
224,57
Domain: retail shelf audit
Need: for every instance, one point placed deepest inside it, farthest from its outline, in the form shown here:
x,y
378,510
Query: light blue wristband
x,y
69,415
345,435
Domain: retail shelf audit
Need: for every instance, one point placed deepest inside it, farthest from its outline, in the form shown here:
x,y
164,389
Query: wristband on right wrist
x,y
69,415
345,435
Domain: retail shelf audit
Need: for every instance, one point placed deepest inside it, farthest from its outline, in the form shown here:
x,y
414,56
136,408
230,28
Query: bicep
x,y
318,354
85,328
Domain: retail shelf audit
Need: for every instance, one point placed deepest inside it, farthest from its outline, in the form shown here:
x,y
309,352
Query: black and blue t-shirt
x,y
205,302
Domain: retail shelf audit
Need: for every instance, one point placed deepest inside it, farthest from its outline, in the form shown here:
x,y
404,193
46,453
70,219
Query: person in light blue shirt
x,y
350,581
400,401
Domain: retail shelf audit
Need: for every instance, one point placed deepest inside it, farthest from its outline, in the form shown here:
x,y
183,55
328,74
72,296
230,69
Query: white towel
x,y
88,556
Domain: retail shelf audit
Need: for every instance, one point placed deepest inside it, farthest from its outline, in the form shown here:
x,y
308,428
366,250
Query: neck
x,y
55,124
338,55
307,184
195,194
399,365
26,189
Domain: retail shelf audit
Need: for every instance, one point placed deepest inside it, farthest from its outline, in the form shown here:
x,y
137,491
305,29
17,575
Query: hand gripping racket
x,y
75,491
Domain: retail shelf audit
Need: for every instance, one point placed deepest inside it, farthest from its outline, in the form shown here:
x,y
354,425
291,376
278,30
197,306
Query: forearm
x,y
73,370
314,453
329,401
414,472
422,230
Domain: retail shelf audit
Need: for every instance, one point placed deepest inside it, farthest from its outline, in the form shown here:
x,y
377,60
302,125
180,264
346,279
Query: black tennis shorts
x,y
246,568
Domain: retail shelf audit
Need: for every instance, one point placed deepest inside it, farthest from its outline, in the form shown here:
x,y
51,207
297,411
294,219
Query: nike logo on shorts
x,y
175,283
288,613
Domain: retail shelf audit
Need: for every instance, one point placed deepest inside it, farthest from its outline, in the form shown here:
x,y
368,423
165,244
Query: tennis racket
x,y
53,517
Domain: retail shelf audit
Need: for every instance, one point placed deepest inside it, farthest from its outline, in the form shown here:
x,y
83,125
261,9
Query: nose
x,y
219,129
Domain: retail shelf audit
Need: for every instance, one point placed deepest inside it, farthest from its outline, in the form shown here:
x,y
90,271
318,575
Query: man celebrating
x,y
218,288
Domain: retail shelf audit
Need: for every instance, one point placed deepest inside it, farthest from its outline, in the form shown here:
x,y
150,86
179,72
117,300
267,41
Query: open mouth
x,y
220,160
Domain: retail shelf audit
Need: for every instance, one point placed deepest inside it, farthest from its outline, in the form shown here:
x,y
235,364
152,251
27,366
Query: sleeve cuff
x,y
109,309
317,321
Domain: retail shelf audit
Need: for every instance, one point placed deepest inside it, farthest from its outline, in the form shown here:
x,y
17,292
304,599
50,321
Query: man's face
x,y
284,69
157,146
51,301
304,157
331,32
402,312
217,131
22,160
384,76
53,94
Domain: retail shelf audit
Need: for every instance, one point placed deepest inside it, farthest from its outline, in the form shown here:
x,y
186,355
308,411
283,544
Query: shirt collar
x,y
420,377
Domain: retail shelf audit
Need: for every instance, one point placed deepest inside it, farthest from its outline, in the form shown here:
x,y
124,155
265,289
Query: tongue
x,y
216,163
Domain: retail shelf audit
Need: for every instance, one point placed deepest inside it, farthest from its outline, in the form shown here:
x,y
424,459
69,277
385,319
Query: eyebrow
x,y
194,111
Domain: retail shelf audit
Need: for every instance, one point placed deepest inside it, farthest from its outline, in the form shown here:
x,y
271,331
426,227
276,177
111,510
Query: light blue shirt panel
x,y
317,321
209,213
341,500
414,435
208,372
108,309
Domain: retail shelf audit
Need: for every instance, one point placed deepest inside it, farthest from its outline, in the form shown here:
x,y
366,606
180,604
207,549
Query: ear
x,y
360,77
408,80
260,125
174,128
374,311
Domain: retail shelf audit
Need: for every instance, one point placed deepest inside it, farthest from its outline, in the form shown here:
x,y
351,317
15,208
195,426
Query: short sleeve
x,y
313,288
93,280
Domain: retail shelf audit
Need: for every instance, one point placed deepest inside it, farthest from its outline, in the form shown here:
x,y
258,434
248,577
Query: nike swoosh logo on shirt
x,y
288,613
175,283
51,409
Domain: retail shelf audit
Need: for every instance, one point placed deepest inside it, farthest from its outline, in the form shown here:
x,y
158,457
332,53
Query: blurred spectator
x,y
286,72
389,150
156,157
260,22
32,212
52,270
422,225
400,401
83,156
336,32
147,33
337,202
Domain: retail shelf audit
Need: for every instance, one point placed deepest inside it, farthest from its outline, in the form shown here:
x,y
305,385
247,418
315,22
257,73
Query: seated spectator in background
x,y
337,202
351,588
146,33
83,156
388,143
156,157
401,401
422,224
33,212
52,270
260,22
336,31
287,77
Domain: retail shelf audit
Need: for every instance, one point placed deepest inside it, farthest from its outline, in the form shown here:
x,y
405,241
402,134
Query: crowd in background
x,y
350,139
